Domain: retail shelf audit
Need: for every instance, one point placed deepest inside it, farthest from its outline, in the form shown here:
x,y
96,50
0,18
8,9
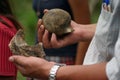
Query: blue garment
x,y
39,6
106,1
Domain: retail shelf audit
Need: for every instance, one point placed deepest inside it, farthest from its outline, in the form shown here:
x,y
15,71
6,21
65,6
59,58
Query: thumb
x,y
18,60
11,58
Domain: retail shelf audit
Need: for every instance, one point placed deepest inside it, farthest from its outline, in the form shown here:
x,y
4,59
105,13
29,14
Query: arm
x,y
81,15
86,72
81,51
82,48
39,68
80,11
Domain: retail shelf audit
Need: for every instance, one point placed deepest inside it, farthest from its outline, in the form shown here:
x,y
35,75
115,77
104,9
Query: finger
x,y
39,23
41,31
45,11
54,41
58,42
20,68
46,39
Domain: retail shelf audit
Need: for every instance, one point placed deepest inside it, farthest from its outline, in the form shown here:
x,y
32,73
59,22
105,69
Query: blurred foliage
x,y
20,77
26,16
96,12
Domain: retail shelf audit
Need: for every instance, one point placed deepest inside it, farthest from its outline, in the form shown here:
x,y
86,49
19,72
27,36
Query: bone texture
x,y
18,46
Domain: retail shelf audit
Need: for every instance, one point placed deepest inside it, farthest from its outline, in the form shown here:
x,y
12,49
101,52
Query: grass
x,y
20,77
26,16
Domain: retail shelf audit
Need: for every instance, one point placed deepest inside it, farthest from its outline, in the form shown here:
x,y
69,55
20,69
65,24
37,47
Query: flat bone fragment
x,y
18,46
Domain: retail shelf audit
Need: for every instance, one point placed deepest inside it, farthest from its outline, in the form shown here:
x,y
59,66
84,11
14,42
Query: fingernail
x,y
11,59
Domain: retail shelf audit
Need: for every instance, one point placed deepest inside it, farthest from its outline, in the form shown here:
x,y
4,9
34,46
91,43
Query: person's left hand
x,y
32,67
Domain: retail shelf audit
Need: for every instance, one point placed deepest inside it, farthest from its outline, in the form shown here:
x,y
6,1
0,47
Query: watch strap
x,y
53,71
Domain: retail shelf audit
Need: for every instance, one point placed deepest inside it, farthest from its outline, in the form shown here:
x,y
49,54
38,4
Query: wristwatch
x,y
53,71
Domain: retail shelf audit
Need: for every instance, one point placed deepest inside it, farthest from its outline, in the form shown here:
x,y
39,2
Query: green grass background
x,y
26,16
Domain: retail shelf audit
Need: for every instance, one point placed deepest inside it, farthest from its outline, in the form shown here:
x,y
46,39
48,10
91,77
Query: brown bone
x,y
18,46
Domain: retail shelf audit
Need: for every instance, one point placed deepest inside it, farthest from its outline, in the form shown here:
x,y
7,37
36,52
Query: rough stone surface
x,y
18,46
57,21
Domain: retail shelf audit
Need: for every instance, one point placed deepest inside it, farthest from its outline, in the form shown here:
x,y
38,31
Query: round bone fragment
x,y
57,21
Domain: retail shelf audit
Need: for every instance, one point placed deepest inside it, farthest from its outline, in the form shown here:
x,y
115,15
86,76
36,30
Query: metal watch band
x,y
53,71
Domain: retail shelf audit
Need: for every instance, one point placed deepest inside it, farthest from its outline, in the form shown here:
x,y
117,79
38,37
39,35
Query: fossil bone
x,y
57,21
18,46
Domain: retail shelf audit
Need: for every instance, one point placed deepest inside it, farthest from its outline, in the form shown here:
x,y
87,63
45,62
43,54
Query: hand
x,y
51,40
32,67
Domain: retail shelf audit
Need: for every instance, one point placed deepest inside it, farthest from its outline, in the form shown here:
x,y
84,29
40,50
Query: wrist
x,y
53,71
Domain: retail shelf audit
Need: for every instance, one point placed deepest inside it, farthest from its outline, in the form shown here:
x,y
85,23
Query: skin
x,y
80,8
80,33
39,68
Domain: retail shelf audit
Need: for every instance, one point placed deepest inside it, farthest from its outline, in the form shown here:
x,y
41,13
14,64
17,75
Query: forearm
x,y
81,51
80,11
81,15
88,34
86,72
